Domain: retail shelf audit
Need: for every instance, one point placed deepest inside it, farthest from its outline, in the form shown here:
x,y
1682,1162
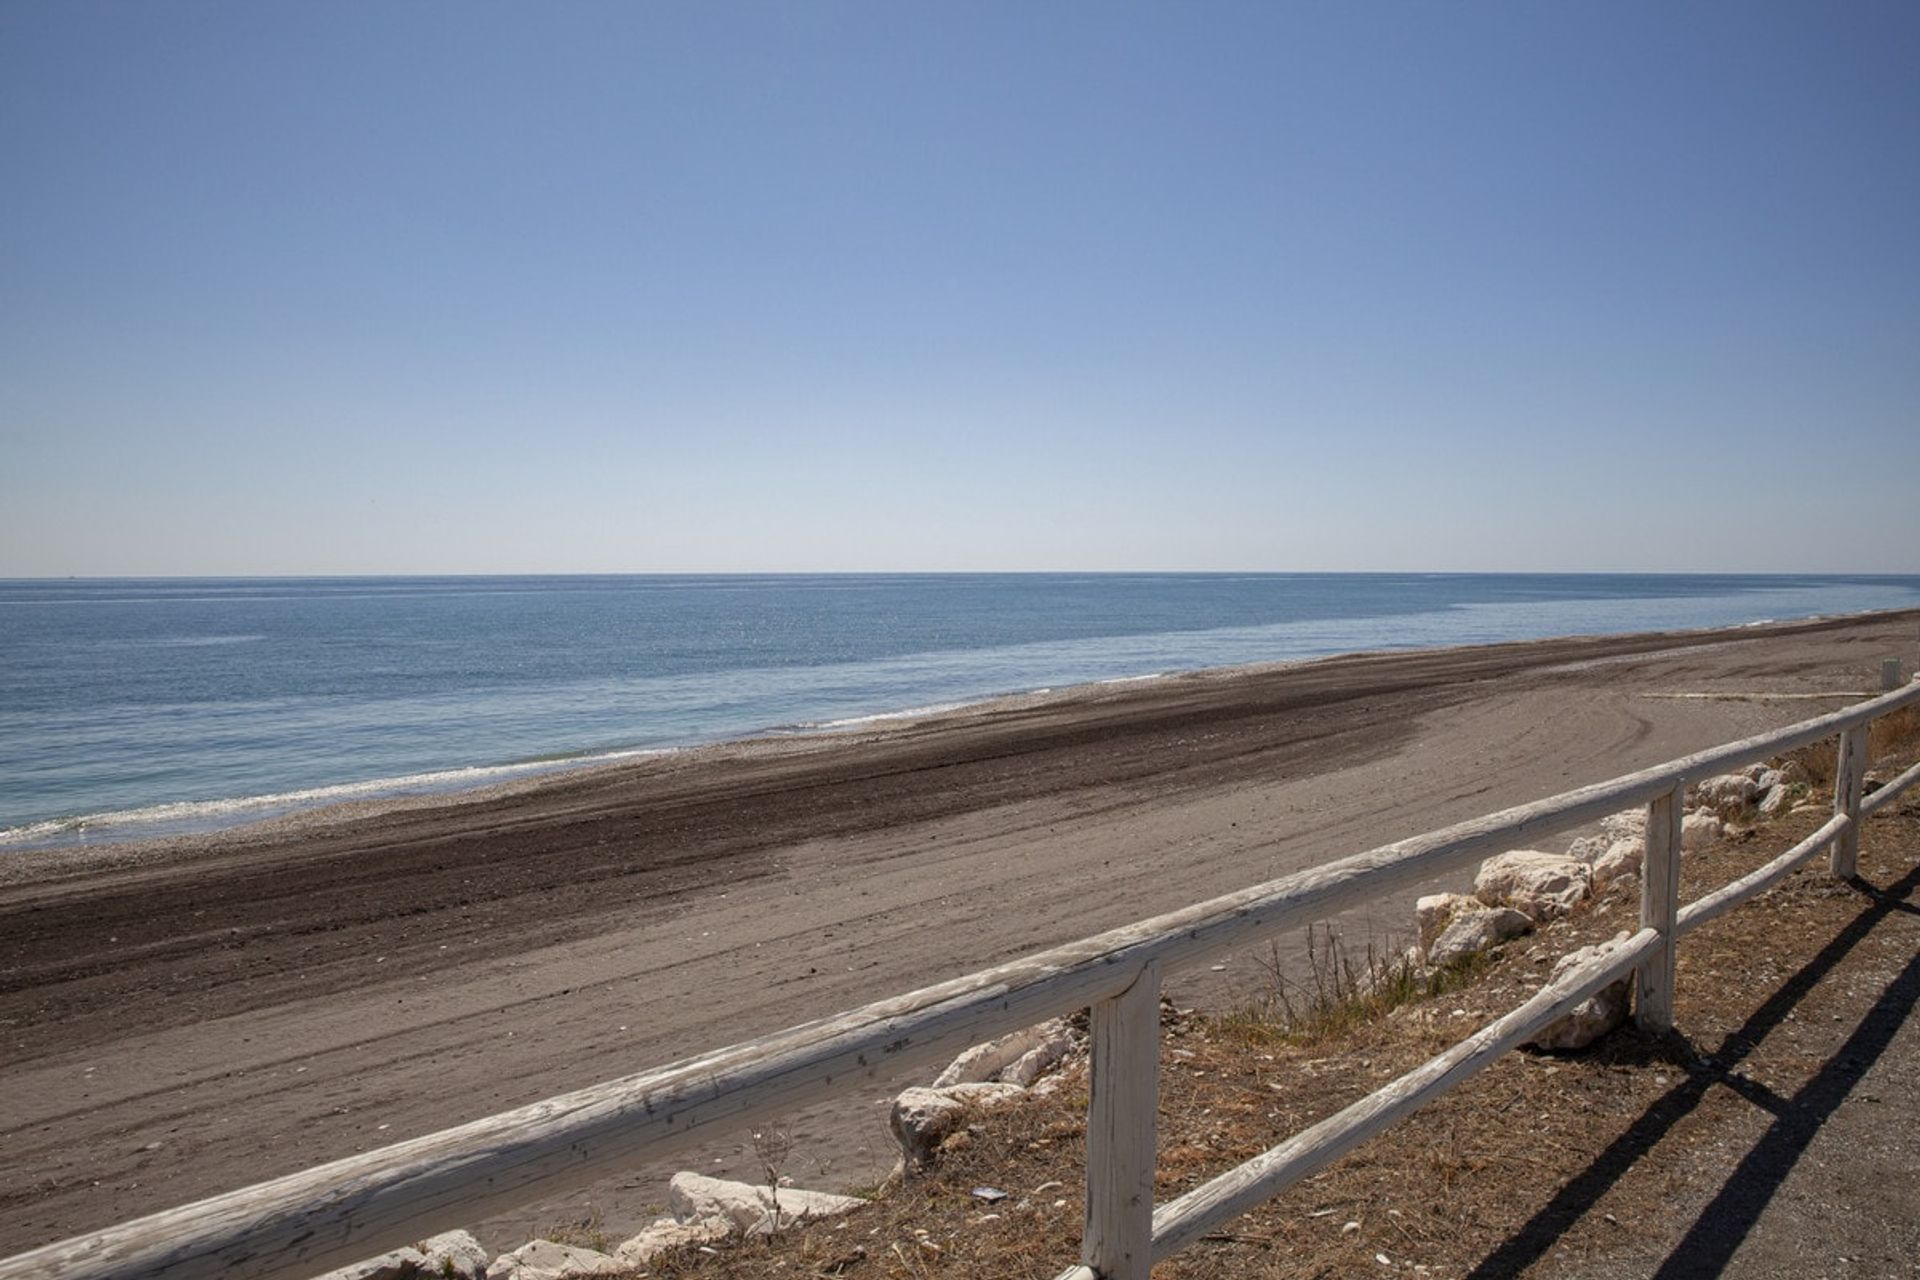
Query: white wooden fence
x,y
341,1212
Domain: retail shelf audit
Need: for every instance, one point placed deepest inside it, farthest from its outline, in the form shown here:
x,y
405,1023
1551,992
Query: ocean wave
x,y
909,713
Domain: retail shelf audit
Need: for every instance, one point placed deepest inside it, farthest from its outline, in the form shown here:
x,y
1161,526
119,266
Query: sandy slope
x,y
260,1003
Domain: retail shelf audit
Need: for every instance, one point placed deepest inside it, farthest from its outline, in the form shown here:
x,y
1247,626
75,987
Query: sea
x,y
133,708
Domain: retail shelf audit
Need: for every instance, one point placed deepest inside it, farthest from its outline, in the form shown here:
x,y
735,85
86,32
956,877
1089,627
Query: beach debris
x,y
1542,886
753,1210
1598,1013
1474,930
1016,1058
924,1118
992,1195
546,1260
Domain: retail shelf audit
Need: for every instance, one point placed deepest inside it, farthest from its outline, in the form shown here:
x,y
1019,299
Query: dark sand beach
x,y
185,1017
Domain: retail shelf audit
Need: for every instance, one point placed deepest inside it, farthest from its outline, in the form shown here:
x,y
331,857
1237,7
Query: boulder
x,y
666,1233
923,1118
1622,858
545,1260
1699,828
1594,1016
1431,913
455,1255
1587,848
401,1264
1036,1048
1543,886
1724,792
1039,1060
1778,800
695,1198
1475,930
1628,824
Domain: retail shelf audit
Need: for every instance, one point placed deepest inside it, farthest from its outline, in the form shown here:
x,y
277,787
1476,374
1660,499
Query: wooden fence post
x,y
1659,905
1849,786
1118,1241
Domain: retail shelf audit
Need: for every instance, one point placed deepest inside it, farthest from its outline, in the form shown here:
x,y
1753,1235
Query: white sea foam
x,y
910,713
189,815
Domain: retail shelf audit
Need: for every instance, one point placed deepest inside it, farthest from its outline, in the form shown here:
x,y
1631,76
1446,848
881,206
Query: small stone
x,y
401,1264
666,1233
1432,912
1697,829
545,1260
1594,1016
455,1255
1622,858
923,1118
1475,931
1543,886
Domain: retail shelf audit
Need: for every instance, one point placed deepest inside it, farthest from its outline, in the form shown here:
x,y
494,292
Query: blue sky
x,y
429,287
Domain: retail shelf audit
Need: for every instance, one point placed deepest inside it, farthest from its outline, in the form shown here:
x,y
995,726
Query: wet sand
x,y
184,1017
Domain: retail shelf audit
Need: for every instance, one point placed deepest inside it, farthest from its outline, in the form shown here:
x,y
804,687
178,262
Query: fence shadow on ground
x,y
1709,1244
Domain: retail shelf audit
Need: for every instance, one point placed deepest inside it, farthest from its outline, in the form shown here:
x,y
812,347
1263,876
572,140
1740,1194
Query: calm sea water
x,y
137,707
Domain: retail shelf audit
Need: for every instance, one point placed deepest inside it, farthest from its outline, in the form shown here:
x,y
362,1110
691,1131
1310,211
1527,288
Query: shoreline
x,y
180,1022
290,815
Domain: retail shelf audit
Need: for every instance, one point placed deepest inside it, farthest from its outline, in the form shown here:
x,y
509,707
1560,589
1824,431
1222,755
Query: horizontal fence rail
x,y
342,1212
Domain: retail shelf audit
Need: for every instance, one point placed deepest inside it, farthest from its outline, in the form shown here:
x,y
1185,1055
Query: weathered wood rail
x,y
338,1213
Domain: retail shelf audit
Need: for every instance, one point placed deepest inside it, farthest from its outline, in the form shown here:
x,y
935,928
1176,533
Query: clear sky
x,y
461,287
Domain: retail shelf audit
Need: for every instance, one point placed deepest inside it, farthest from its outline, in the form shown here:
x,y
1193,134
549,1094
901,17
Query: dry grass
x,y
1476,1184
1343,990
1893,736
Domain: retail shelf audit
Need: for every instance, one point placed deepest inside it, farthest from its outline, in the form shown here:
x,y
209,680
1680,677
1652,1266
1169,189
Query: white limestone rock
x,y
455,1255
667,1233
1543,886
401,1264
694,1198
1037,1061
1587,848
1623,858
1724,792
923,1118
1698,829
1475,930
1628,824
545,1260
1594,1016
1432,912
1036,1048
